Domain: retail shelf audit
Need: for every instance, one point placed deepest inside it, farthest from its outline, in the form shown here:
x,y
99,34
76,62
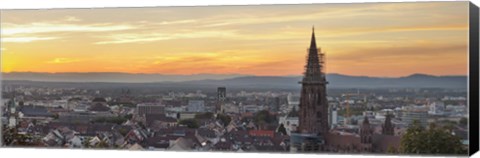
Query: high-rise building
x,y
313,100
333,119
412,114
196,106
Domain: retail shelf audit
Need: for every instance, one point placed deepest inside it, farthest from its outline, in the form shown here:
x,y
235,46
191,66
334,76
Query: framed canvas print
x,y
354,78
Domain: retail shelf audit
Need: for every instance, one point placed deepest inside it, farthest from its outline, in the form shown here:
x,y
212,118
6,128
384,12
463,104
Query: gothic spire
x,y
365,121
313,44
313,67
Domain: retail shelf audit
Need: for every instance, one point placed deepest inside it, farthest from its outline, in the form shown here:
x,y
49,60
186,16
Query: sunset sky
x,y
372,39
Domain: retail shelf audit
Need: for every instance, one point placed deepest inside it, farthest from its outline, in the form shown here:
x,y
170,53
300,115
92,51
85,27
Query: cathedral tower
x,y
388,128
313,100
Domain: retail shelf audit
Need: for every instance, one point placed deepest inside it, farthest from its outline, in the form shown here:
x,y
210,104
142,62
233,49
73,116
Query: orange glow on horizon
x,y
404,39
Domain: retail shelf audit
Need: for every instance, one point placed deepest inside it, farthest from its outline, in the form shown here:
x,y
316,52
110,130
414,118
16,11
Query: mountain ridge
x,y
336,80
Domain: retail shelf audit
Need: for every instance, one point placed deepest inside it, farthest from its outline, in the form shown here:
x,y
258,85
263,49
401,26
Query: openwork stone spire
x,y
314,67
313,113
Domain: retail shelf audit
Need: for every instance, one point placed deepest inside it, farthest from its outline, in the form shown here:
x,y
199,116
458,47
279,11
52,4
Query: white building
x,y
231,108
293,101
436,108
290,123
150,108
381,115
196,106
333,119
253,108
415,113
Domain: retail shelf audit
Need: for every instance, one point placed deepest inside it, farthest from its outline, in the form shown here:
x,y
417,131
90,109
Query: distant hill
x,y
343,81
232,81
109,77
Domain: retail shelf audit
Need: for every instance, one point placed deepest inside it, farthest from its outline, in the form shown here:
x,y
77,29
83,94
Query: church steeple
x,y
313,44
388,128
313,112
314,66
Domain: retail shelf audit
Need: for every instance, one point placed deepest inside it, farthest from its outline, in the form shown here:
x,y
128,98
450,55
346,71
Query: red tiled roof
x,y
268,133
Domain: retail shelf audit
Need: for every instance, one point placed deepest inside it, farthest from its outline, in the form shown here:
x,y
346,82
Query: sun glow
x,y
404,38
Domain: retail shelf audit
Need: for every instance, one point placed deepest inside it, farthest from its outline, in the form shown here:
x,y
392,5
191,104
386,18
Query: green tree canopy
x,y
206,115
190,123
264,116
11,137
463,121
434,140
282,129
225,119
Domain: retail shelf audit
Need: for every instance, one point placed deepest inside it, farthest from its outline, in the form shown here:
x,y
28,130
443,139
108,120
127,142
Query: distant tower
x,y
12,113
276,104
313,100
333,116
366,136
388,127
221,97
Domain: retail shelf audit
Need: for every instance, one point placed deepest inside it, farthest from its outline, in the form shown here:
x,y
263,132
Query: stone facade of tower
x,y
366,133
313,100
388,128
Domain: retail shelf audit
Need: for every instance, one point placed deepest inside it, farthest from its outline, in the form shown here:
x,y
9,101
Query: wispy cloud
x,y
16,33
14,29
62,60
26,39
149,37
72,19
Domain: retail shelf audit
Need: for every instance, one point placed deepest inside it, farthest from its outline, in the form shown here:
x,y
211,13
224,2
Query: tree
x,y
264,116
463,121
391,150
102,144
8,135
207,115
128,116
282,129
86,142
55,116
434,140
190,123
12,138
225,119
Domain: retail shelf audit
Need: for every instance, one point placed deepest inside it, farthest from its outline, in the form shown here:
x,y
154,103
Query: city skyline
x,y
408,38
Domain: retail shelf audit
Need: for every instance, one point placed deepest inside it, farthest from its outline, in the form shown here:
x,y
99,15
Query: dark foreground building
x,y
313,100
314,134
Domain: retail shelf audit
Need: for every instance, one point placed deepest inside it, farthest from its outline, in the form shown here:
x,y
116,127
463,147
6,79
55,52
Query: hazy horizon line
x,y
233,74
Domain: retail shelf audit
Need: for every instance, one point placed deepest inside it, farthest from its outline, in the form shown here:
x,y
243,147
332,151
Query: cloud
x,y
26,39
149,37
62,61
72,19
36,31
418,52
187,21
33,28
363,31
